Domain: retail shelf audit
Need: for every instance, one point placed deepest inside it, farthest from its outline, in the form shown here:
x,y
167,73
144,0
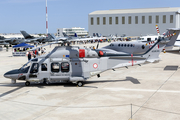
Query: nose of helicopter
x,y
13,74
6,75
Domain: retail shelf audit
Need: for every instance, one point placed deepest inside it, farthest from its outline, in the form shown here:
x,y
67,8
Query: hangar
x,y
133,22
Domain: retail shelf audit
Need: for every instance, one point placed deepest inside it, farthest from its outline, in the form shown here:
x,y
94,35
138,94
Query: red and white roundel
x,y
95,65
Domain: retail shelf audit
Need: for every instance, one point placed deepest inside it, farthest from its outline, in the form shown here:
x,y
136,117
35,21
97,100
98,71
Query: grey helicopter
x,y
78,64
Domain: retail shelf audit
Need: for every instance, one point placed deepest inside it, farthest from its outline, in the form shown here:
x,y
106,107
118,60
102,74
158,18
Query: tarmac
x,y
146,92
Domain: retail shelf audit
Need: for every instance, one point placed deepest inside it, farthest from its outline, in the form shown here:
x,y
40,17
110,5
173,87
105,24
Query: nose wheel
x,y
27,83
80,83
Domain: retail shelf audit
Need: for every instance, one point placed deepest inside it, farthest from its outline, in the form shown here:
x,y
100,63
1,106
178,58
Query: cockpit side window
x,y
65,67
55,67
44,67
34,68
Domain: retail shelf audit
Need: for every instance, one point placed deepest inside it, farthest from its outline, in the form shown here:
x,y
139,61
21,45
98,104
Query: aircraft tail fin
x,y
26,35
75,35
152,55
172,34
51,36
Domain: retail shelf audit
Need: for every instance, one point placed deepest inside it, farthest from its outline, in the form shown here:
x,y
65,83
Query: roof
x,y
23,45
141,10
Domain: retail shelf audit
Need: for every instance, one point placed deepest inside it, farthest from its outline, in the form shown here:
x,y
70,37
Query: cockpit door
x,y
34,70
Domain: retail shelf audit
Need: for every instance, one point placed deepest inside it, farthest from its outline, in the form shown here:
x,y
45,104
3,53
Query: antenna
x,y
46,19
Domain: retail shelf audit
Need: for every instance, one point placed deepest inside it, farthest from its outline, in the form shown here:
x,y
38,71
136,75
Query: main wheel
x,y
27,83
45,81
80,83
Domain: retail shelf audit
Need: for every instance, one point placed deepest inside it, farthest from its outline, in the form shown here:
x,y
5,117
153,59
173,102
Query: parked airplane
x,y
76,64
150,38
137,47
32,38
13,41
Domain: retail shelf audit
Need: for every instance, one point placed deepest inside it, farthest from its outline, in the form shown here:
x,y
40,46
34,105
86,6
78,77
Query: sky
x,y
30,15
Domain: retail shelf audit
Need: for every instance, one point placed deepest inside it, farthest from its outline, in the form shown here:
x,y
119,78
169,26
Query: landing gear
x,y
13,81
27,83
80,83
45,81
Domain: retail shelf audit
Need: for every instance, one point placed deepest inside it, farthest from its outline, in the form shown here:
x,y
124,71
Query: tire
x,y
80,83
27,83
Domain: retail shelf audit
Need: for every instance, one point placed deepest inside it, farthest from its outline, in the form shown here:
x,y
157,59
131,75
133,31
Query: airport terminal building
x,y
133,22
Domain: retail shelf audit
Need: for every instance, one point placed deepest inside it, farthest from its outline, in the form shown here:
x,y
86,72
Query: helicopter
x,y
77,64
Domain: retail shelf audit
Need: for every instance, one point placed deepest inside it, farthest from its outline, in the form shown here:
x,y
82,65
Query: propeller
x,y
157,28
159,36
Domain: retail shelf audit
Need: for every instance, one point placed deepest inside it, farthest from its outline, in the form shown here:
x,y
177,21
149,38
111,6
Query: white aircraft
x,y
150,38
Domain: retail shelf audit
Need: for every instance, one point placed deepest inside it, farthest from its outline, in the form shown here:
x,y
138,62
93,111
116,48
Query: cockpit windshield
x,y
25,67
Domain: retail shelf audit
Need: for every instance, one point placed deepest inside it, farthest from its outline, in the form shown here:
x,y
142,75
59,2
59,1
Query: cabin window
x,y
128,45
131,45
119,45
155,38
124,45
54,67
34,68
44,67
148,39
65,67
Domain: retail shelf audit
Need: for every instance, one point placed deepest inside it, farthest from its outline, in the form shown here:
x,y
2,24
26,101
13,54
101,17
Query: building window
x,y
97,20
104,20
129,20
136,19
171,18
123,20
143,19
157,19
116,20
92,21
164,18
150,19
110,20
